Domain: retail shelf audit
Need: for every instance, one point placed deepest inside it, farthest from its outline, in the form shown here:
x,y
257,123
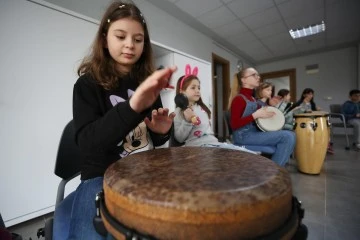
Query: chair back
x,y
335,108
69,158
256,148
227,121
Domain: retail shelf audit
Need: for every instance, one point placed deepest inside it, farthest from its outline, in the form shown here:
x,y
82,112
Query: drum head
x,y
312,114
274,123
198,193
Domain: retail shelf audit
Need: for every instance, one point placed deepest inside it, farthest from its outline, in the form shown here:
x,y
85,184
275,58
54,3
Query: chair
x,y
336,113
264,150
67,167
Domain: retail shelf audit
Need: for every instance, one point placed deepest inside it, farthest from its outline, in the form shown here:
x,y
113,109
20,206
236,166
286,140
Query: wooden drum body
x,y
198,193
312,138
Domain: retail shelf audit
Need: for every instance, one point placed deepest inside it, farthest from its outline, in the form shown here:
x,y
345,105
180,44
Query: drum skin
x,y
274,123
198,193
311,143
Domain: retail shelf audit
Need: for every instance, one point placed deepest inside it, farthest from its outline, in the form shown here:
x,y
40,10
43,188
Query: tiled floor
x,y
331,199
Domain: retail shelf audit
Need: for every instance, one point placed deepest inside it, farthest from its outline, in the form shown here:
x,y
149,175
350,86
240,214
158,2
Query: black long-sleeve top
x,y
107,128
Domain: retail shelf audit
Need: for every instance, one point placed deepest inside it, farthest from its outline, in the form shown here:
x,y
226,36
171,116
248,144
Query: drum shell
x,y
236,221
312,138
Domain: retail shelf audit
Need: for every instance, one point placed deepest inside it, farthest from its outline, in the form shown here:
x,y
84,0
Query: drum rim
x,y
294,219
312,114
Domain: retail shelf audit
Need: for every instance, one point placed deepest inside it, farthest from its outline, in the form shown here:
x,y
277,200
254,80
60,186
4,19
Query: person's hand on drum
x,y
146,94
274,101
161,121
263,113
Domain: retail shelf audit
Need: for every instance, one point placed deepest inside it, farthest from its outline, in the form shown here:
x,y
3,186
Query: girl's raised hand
x,y
148,91
161,121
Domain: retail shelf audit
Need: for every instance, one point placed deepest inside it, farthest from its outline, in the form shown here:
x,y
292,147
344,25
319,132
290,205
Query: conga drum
x,y
312,138
198,193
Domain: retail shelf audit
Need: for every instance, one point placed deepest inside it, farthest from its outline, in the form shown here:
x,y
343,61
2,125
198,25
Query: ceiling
x,y
259,29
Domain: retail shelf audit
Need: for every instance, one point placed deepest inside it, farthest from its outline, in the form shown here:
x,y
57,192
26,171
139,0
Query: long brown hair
x,y
234,90
185,85
100,64
261,87
236,85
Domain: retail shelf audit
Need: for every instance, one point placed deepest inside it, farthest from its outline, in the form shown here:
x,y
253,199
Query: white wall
x,y
169,31
336,77
164,29
39,52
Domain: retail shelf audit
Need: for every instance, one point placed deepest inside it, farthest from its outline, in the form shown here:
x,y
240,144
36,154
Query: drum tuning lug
x,y
98,198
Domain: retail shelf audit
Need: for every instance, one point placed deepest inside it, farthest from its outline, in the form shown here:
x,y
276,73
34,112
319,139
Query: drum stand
x,y
297,214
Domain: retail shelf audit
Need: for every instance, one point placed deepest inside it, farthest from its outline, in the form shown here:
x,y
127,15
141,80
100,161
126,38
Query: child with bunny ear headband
x,y
189,108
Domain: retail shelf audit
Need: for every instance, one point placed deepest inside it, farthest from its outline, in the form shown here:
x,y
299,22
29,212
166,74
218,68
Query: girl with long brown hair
x,y
245,110
117,111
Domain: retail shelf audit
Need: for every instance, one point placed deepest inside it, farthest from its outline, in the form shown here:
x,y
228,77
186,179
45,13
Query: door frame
x,y
216,59
291,73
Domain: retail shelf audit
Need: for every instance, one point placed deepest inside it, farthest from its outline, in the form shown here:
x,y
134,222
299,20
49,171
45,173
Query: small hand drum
x,y
274,123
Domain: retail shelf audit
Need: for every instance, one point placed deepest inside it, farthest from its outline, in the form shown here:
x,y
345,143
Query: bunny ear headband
x,y
188,73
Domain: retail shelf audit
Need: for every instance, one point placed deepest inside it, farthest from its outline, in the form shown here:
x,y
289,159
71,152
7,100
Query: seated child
x,y
192,123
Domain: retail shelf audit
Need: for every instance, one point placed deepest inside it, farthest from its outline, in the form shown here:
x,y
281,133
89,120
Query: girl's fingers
x,y
160,111
147,121
172,115
162,76
154,113
165,111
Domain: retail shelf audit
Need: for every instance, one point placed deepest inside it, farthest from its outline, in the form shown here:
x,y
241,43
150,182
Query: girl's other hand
x,y
161,121
188,114
148,91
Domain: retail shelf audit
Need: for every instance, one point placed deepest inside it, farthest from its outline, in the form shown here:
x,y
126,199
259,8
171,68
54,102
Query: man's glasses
x,y
256,75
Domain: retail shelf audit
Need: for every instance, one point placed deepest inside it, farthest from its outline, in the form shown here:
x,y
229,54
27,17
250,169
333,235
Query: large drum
x,y
198,193
312,138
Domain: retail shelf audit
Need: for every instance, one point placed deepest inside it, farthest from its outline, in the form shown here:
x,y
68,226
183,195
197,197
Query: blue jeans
x,y
356,123
283,140
73,218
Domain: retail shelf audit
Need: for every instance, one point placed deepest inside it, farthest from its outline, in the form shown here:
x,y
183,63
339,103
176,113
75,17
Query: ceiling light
x,y
307,31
